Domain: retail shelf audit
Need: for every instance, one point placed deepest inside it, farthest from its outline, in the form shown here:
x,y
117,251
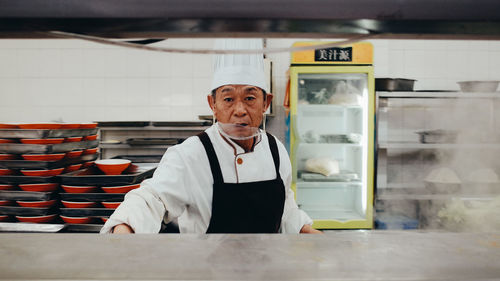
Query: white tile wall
x,y
74,80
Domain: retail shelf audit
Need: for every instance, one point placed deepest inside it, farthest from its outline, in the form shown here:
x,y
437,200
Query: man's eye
x,y
228,99
250,98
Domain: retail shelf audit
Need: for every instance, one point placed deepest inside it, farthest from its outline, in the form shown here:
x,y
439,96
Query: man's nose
x,y
240,109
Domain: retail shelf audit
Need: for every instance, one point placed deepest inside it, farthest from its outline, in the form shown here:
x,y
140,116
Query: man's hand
x,y
122,229
308,229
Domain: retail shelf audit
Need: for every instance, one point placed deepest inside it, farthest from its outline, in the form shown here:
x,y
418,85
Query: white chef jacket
x,y
182,186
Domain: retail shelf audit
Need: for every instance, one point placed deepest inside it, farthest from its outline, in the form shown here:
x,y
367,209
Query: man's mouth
x,y
242,124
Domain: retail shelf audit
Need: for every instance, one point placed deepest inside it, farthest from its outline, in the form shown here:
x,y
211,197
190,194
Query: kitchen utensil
x,y
40,126
39,187
21,148
438,136
111,205
72,168
73,139
90,151
74,153
89,138
36,219
43,141
113,166
69,126
6,172
7,156
76,219
43,157
478,86
78,189
135,173
79,204
120,189
123,123
6,186
6,203
93,197
441,187
42,173
37,204
43,133
86,212
25,195
394,84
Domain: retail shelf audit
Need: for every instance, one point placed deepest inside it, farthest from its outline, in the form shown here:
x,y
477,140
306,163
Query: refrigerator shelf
x,y
321,212
328,184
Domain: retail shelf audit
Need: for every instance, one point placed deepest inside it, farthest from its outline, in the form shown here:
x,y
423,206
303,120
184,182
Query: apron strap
x,y
212,157
274,151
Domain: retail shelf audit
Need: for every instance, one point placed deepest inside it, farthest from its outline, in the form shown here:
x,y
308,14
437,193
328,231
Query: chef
x,y
233,177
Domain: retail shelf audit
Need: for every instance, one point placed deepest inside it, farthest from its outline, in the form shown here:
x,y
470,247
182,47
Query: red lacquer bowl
x,y
37,204
72,168
7,126
72,204
37,219
43,141
39,187
6,172
88,125
90,138
78,189
90,151
6,186
111,205
8,156
69,126
73,154
44,157
73,139
42,173
120,189
113,166
40,126
5,203
76,219
87,164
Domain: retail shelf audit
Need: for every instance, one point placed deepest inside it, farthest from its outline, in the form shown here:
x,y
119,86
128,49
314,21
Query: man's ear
x,y
211,102
267,102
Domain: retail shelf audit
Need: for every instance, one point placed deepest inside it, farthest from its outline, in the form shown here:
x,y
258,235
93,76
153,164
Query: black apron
x,y
252,207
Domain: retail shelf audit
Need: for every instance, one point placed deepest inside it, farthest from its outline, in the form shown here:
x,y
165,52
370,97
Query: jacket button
x,y
239,161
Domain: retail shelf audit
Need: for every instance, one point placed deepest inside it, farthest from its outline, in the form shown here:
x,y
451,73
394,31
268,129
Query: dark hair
x,y
215,90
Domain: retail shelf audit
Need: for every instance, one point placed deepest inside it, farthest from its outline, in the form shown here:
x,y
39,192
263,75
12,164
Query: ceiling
x,y
447,19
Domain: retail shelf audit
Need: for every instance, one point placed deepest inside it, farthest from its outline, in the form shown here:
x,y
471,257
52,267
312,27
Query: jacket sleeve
x,y
164,194
293,218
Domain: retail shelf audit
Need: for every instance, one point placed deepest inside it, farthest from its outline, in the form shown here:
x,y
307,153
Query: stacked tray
x,y
99,194
31,156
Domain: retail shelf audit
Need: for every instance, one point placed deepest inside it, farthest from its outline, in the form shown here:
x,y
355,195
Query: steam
x,y
461,187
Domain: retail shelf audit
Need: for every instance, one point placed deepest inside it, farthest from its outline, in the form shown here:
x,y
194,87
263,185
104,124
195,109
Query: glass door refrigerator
x,y
331,134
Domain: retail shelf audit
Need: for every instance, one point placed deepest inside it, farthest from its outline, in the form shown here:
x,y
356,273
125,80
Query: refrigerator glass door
x,y
330,147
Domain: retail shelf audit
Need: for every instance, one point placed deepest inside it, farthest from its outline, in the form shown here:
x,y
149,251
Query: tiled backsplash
x,y
78,81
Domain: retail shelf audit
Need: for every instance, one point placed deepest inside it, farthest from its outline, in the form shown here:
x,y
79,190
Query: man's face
x,y
239,104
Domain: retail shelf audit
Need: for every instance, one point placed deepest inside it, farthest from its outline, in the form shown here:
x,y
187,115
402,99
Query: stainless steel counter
x,y
352,255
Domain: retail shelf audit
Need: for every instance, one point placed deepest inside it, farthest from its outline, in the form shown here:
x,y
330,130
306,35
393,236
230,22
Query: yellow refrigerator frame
x,y
303,63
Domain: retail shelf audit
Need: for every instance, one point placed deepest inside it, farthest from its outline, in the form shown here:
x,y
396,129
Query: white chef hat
x,y
242,69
